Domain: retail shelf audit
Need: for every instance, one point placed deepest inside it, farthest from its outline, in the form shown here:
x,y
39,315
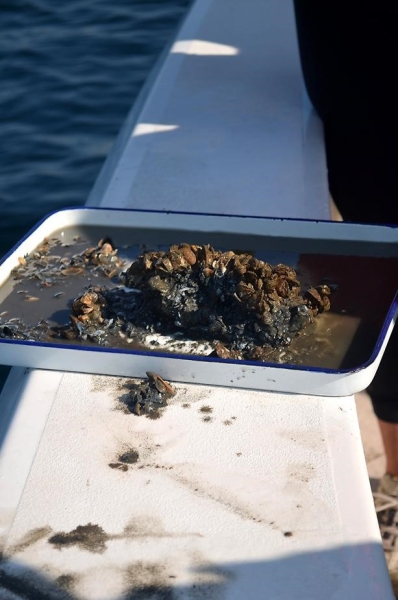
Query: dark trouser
x,y
349,55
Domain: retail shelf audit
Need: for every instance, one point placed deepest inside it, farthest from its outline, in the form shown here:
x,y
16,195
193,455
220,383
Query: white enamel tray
x,y
274,237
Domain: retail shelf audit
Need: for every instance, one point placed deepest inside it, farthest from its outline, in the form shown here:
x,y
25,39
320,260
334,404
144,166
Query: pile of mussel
x,y
244,306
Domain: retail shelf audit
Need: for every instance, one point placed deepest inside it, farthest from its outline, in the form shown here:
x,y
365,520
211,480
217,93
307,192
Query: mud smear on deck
x,y
209,579
118,466
29,585
228,500
107,383
156,581
147,580
206,411
30,538
129,457
143,580
66,581
87,537
93,538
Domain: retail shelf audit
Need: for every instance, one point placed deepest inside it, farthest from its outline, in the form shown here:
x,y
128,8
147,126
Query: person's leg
x,y
384,394
349,54
389,433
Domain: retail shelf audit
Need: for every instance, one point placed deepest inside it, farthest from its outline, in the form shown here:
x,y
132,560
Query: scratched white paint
x,y
224,494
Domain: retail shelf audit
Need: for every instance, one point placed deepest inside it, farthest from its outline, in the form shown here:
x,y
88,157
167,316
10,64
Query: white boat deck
x,y
234,494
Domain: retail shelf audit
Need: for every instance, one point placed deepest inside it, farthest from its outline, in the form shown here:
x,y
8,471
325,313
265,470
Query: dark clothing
x,y
349,55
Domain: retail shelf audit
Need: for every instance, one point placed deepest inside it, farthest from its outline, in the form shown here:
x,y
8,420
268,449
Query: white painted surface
x,y
224,130
228,129
26,400
244,502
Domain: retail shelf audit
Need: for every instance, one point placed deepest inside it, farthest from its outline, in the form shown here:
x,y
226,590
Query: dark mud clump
x,y
88,537
118,466
66,581
245,306
149,581
130,457
150,396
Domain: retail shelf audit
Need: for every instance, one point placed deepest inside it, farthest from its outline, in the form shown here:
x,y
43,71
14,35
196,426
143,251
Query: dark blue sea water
x,y
69,73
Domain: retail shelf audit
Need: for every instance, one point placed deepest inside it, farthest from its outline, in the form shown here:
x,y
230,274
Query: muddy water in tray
x,y
363,290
